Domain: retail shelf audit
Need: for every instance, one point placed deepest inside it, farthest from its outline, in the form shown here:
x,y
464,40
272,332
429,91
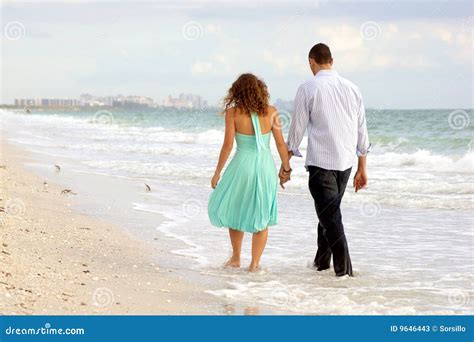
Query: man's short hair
x,y
321,53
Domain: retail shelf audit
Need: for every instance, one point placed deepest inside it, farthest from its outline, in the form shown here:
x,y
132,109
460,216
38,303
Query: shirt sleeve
x,y
363,145
299,121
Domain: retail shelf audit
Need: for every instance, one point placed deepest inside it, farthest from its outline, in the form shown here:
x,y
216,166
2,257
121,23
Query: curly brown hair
x,y
249,94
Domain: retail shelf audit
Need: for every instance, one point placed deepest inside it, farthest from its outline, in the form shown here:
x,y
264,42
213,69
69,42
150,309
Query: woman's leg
x,y
236,238
259,240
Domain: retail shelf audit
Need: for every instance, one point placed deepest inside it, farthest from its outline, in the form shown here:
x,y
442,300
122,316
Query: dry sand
x,y
54,260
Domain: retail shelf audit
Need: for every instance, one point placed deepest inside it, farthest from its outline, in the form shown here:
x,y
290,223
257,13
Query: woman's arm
x,y
279,140
226,146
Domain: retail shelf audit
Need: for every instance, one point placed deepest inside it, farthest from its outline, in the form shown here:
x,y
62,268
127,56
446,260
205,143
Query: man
x,y
331,109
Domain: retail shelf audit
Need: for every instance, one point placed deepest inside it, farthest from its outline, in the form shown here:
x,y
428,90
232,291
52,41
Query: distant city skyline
x,y
183,101
407,54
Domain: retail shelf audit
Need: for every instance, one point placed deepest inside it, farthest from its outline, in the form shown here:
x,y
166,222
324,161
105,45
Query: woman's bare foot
x,y
233,262
254,268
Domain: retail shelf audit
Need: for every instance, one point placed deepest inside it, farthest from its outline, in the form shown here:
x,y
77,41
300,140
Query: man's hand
x,y
360,180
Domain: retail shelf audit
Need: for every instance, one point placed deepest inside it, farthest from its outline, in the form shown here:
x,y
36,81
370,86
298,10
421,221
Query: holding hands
x,y
284,175
285,169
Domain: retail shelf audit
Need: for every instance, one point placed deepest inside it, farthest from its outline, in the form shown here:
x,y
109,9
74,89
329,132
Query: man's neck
x,y
324,67
328,69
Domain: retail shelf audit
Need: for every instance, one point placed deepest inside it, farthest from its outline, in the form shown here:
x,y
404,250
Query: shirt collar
x,y
326,73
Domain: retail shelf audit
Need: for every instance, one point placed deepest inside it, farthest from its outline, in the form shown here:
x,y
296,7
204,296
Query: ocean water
x,y
410,232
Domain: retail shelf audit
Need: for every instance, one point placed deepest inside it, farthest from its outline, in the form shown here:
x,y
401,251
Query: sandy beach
x,y
54,260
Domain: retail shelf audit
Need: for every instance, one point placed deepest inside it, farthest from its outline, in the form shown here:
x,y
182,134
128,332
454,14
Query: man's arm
x,y
299,121
363,147
298,126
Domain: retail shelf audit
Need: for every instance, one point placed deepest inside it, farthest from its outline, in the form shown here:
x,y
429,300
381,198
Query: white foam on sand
x,y
404,260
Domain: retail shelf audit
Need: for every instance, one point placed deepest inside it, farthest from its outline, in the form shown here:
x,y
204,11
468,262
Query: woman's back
x,y
243,121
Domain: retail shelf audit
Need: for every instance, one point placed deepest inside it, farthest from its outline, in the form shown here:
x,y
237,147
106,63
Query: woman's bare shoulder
x,y
271,110
231,112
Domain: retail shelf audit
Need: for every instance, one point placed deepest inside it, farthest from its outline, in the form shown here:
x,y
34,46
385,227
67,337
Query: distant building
x,y
27,102
37,102
284,105
119,100
86,100
185,101
59,102
141,100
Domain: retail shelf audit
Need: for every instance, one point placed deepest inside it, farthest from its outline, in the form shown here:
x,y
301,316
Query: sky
x,y
401,54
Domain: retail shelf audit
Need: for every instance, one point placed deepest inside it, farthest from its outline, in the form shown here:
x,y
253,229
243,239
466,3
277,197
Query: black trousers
x,y
327,188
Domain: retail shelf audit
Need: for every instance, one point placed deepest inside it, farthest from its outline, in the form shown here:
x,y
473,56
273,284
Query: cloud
x,y
282,63
356,46
201,67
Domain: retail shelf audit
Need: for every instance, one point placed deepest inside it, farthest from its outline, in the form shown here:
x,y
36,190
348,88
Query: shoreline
x,y
56,260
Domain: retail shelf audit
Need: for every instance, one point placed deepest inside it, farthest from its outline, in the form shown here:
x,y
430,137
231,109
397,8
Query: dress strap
x,y
258,132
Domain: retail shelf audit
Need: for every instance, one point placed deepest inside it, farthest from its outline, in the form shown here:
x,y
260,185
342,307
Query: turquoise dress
x,y
245,198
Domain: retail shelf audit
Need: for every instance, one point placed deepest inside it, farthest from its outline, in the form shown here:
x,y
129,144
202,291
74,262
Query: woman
x,y
245,199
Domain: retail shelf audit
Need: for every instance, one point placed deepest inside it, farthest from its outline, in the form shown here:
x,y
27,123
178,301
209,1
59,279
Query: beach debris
x,y
84,228
4,167
147,188
45,186
58,168
67,192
